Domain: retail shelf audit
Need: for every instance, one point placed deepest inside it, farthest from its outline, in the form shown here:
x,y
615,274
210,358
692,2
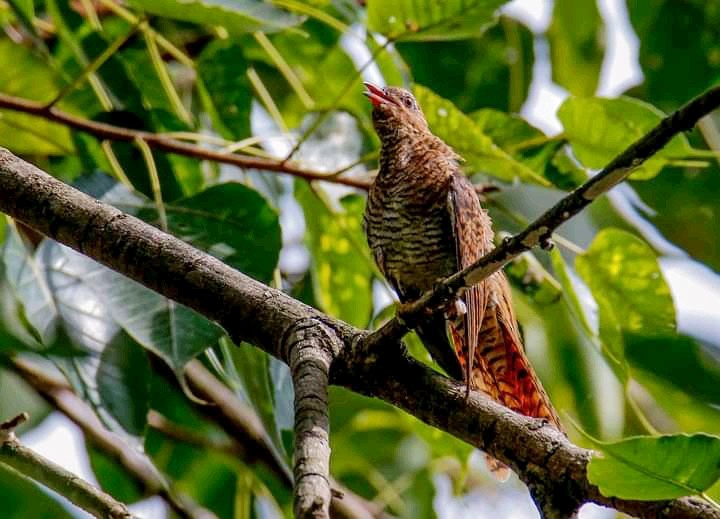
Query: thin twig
x,y
161,142
30,464
60,396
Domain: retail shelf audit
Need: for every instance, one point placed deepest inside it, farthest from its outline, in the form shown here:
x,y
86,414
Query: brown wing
x,y
472,234
487,339
519,387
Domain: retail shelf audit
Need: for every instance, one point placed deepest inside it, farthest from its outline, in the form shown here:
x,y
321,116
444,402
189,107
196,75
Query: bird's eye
x,y
408,102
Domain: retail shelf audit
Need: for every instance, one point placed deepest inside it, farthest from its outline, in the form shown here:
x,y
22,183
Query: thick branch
x,y
540,231
78,491
161,142
251,311
309,351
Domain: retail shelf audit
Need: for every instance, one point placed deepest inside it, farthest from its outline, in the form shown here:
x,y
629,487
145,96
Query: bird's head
x,y
395,112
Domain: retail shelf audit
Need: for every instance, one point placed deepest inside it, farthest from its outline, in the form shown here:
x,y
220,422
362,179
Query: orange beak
x,y
375,94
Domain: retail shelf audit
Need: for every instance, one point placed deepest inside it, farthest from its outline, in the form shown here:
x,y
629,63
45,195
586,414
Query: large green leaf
x,y
26,76
248,369
341,265
225,88
478,149
493,70
654,468
237,16
547,156
676,68
687,364
404,20
625,278
123,377
576,48
230,221
599,129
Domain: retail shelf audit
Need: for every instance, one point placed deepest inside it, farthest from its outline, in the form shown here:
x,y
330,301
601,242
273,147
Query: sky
x,y
695,288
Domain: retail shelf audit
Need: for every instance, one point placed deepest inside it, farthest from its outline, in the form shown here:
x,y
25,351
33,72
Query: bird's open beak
x,y
375,94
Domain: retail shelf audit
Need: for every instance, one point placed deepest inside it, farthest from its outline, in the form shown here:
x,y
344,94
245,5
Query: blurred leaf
x,y
27,280
676,68
654,468
113,478
123,383
21,498
528,274
170,330
625,278
608,339
680,360
238,16
547,156
466,138
491,70
26,76
576,47
341,264
684,209
599,129
406,20
250,377
225,88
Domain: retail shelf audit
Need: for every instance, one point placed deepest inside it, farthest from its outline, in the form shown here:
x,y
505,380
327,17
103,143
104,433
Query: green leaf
x,y
425,20
546,156
26,76
528,274
493,70
249,370
123,377
654,468
684,362
599,129
26,277
342,268
609,338
674,68
478,149
233,223
170,330
624,276
21,498
237,16
576,47
225,89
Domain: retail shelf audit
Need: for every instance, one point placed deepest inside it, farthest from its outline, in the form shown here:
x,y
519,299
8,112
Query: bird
x,y
423,222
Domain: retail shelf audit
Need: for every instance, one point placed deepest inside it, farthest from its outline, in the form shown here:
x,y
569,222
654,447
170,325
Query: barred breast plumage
x,y
424,222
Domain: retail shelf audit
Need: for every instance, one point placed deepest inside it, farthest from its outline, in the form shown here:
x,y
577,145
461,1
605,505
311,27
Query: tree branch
x,y
61,397
309,350
31,464
540,231
164,143
551,466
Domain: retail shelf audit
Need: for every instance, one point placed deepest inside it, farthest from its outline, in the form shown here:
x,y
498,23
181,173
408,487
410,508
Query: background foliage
x,y
621,351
